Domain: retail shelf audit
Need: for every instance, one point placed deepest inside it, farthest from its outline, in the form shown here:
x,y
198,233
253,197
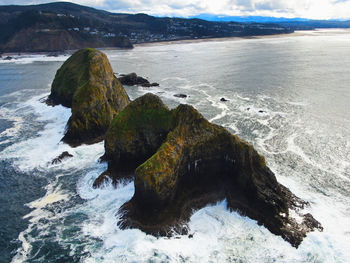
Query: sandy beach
x,y
299,33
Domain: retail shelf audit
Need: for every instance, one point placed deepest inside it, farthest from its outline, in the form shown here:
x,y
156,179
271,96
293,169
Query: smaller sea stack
x,y
86,84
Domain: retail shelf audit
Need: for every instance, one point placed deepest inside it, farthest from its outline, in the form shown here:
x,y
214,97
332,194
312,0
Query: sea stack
x,y
86,84
181,162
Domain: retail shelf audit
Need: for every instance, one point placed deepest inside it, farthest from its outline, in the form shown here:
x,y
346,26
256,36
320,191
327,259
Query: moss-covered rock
x,y
134,135
86,83
200,163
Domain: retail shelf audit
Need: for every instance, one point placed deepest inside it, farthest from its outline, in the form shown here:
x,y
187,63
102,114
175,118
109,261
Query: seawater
x,y
288,96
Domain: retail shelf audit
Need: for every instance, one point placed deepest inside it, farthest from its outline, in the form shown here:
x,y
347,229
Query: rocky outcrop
x,y
132,79
86,83
64,155
189,164
180,95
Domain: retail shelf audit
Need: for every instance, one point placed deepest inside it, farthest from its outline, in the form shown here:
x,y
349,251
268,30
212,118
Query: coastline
x,y
216,39
297,33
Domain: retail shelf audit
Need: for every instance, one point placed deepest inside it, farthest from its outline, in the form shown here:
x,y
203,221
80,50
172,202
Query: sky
x,y
312,9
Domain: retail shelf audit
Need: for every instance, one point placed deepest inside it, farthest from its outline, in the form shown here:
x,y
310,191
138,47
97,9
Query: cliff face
x,y
192,164
86,83
41,40
55,27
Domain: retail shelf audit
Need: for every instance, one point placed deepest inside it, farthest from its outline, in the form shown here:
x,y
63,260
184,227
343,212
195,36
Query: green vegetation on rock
x,y
183,162
86,83
136,133
73,74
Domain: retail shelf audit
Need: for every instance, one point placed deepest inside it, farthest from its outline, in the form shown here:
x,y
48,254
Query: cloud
x,y
316,9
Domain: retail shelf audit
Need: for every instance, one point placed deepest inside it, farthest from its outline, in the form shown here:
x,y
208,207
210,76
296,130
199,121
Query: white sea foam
x,y
54,193
28,59
40,150
218,235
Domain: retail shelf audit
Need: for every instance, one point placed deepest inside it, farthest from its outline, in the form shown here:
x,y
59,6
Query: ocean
x,y
289,96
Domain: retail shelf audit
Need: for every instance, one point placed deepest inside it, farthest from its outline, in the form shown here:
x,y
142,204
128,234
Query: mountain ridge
x,y
60,26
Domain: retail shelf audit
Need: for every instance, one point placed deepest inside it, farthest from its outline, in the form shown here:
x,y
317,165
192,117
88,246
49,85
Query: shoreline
x,y
214,39
297,33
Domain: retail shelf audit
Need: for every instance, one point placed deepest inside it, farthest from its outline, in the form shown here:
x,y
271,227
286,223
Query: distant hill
x,y
66,26
293,23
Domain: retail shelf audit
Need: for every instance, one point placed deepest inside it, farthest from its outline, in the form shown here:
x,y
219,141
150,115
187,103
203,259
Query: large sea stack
x,y
86,83
181,162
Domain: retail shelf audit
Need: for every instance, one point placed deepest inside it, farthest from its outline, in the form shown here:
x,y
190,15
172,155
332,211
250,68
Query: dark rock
x,y
147,85
55,54
61,157
132,79
184,163
86,83
248,109
223,99
261,111
190,236
180,95
8,58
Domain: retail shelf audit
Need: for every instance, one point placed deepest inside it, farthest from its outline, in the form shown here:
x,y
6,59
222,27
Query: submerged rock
x,y
147,85
184,163
180,95
86,83
223,100
61,157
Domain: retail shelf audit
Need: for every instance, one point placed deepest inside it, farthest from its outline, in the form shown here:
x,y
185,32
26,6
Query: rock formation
x,y
134,136
183,162
86,83
64,155
132,79
180,95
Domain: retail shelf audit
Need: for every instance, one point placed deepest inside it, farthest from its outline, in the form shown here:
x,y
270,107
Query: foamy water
x,y
309,153
28,59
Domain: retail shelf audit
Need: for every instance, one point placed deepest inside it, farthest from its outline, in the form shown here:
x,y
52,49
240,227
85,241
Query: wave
x,y
28,59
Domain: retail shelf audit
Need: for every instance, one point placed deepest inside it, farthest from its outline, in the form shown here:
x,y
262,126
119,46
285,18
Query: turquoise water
x,y
288,96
